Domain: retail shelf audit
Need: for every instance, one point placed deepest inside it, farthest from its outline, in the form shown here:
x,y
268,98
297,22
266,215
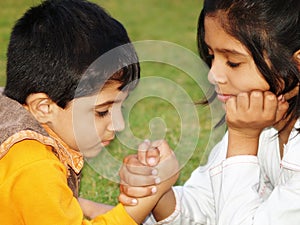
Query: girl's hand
x,y
154,168
247,115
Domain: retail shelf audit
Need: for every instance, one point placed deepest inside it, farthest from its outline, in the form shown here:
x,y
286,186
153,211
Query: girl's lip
x,y
223,97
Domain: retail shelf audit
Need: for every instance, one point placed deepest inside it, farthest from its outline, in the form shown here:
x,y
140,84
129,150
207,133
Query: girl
x,y
253,174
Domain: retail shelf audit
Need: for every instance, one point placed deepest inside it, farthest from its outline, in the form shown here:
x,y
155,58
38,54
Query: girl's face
x,y
233,69
89,123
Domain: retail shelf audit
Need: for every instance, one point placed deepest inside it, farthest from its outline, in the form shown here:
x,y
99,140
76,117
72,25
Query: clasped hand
x,y
152,171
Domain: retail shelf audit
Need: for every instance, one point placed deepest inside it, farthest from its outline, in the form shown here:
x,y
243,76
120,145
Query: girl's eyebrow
x,y
230,51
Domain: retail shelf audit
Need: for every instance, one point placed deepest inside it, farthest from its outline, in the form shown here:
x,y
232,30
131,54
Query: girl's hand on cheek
x,y
247,114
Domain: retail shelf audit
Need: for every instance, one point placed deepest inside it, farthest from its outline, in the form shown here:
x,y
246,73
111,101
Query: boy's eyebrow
x,y
111,102
107,103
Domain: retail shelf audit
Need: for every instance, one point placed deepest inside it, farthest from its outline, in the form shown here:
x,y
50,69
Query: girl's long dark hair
x,y
270,30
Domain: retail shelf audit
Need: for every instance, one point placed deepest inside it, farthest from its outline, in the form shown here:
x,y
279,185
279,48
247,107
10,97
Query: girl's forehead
x,y
216,37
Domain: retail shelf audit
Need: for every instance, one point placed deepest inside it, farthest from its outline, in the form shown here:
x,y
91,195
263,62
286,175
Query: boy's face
x,y
89,123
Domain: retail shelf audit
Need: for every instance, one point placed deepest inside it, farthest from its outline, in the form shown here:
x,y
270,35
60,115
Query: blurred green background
x,y
167,20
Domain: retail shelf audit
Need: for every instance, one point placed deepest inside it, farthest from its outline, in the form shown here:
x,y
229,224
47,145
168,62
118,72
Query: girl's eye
x,y
233,65
103,113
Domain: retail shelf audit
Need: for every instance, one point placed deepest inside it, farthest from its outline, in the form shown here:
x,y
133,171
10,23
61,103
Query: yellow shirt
x,y
34,190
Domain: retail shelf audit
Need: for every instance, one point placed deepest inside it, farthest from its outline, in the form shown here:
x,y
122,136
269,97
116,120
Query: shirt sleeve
x,y
39,194
236,190
117,215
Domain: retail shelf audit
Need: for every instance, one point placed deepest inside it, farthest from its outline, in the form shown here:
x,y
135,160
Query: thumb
x,y
163,148
148,154
152,156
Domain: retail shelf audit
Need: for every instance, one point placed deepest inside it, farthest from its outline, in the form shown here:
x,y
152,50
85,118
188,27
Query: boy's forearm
x,y
140,211
162,204
93,209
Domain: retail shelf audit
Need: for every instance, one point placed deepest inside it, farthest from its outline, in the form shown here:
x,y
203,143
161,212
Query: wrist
x,y
242,144
165,206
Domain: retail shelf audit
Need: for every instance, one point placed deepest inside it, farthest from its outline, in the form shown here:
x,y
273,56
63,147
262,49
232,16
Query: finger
x,y
242,102
138,192
142,151
126,200
292,93
152,156
134,166
168,165
136,180
256,101
270,105
230,107
282,108
163,147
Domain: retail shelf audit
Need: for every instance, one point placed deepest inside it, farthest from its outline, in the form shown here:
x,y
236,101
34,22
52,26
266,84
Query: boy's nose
x,y
117,121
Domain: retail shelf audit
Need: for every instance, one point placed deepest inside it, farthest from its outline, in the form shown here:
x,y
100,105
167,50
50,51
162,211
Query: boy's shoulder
x,y
26,156
28,152
14,118
17,124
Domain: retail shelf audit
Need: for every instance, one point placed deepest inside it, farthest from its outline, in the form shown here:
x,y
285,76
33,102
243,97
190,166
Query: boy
x,y
53,106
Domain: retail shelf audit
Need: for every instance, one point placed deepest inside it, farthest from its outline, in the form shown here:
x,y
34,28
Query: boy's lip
x,y
106,142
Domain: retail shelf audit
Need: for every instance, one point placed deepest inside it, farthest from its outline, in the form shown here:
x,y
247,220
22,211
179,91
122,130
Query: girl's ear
x,y
41,107
296,57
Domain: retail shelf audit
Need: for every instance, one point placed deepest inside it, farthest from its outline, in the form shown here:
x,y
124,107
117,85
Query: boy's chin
x,y
91,153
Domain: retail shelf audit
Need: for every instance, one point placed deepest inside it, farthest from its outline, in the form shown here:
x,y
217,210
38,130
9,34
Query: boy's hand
x,y
153,169
247,115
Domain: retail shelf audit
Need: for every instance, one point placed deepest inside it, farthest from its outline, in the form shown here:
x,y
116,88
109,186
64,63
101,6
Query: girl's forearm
x,y
241,144
165,206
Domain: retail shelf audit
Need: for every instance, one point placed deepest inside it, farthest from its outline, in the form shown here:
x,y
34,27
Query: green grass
x,y
168,20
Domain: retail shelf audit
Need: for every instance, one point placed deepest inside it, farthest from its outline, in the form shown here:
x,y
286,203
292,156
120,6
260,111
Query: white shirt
x,y
256,190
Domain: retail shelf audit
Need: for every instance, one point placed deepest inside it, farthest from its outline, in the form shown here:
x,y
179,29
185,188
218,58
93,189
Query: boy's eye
x,y
102,113
232,65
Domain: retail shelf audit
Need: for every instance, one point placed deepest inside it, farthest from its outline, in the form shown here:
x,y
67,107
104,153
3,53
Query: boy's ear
x,y
296,57
40,106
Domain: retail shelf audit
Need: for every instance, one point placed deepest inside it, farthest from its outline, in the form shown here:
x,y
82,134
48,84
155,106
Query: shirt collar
x,y
66,155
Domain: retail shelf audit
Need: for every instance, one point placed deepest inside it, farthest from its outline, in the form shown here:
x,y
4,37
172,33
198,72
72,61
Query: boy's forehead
x,y
110,95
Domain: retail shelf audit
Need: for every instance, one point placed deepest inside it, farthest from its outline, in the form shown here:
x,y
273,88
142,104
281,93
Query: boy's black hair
x,y
269,29
53,45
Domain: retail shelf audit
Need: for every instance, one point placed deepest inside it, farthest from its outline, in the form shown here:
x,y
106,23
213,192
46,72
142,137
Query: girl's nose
x,y
216,75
